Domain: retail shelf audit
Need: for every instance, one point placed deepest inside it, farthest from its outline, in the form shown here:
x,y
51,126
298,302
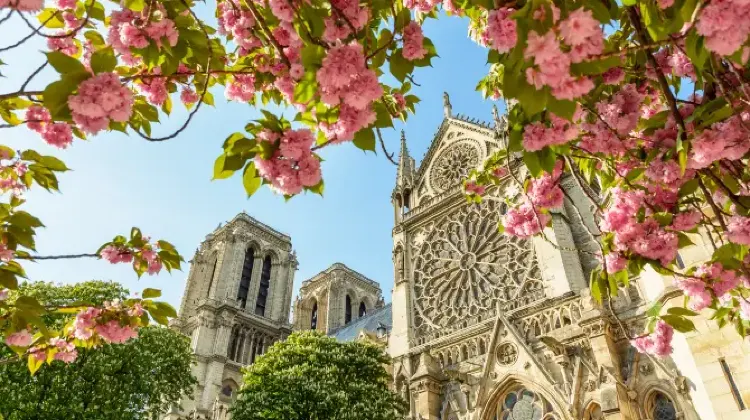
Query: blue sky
x,y
120,181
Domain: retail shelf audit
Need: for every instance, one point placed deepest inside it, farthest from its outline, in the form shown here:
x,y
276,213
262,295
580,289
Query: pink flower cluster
x,y
725,24
545,191
421,5
188,96
502,29
99,100
124,32
345,79
57,134
22,5
293,165
413,42
22,338
65,45
282,9
646,238
119,254
619,114
686,221
113,332
6,255
738,230
241,88
66,352
472,187
709,278
93,320
614,262
537,135
658,343
236,21
154,88
723,140
84,323
337,26
524,222
582,33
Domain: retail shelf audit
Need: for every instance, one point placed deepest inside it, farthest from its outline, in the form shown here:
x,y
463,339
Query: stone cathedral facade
x,y
481,326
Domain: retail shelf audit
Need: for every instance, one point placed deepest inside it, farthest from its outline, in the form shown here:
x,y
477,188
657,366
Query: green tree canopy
x,y
130,381
313,377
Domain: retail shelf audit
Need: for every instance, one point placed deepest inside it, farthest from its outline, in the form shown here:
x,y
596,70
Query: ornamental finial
x,y
447,108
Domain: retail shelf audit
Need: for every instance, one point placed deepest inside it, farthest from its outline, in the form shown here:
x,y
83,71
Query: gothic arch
x,y
593,411
270,252
649,400
513,383
229,389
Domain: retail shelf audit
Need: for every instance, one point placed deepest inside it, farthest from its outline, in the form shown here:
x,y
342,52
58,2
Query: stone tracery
x,y
465,267
453,164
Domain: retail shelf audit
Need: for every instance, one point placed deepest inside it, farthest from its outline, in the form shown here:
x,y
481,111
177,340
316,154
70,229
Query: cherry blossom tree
x,y
645,99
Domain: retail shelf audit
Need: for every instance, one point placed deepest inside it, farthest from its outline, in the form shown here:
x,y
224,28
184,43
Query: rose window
x,y
464,268
522,404
453,165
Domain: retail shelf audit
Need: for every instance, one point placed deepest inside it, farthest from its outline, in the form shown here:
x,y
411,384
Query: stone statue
x,y
447,108
399,263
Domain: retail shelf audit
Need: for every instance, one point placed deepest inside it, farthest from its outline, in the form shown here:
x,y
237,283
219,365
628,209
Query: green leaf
x,y
312,56
151,293
400,67
220,167
103,60
317,188
561,108
655,309
56,97
531,159
135,5
250,179
64,63
680,311
365,139
305,90
679,323
50,18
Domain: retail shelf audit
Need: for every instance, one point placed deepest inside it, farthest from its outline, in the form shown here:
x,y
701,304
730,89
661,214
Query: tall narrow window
x,y
247,273
314,317
213,276
732,385
348,310
265,283
362,309
233,342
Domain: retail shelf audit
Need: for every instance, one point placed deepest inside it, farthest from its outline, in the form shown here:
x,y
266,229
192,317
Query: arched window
x,y
523,404
233,343
247,273
464,354
593,412
661,407
362,309
213,276
481,346
314,317
348,310
265,283
227,391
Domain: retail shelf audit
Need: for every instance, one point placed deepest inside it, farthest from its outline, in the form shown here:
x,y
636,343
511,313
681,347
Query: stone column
x,y
252,293
212,386
273,290
425,385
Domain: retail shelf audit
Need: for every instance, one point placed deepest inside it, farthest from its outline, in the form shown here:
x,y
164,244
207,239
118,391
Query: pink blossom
x,y
545,191
350,121
744,309
614,262
536,136
523,221
38,353
613,76
473,188
696,291
3,294
123,34
540,14
421,5
337,26
36,116
499,172
659,343
738,230
686,220
189,96
22,338
400,101
22,5
58,134
136,310
65,45
725,24
344,78
664,4
502,29
413,42
113,332
66,352
282,10
154,267
241,88
115,254
293,166
580,27
83,325
723,140
155,89
100,99
66,4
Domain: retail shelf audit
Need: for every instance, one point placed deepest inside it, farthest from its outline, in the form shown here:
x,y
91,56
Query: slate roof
x,y
368,323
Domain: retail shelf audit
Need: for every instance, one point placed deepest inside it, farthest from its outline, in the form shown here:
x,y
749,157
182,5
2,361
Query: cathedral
x,y
480,325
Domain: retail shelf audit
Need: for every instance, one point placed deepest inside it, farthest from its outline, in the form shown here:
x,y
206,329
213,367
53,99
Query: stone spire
x,y
447,107
405,171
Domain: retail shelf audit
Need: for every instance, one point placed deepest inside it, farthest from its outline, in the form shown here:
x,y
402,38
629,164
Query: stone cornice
x,y
259,228
343,267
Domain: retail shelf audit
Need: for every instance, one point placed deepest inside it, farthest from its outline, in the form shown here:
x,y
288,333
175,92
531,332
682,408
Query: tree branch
x,y
268,32
57,257
382,145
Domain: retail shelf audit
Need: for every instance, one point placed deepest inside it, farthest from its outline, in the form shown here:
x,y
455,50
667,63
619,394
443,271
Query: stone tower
x,y
236,304
488,326
334,298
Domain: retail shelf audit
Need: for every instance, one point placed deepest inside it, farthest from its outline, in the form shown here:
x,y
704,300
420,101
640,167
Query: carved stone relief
x,y
506,354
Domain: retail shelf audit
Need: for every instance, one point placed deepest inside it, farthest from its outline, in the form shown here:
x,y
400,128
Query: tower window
x,y
247,273
362,309
265,283
732,385
314,317
213,276
348,310
233,344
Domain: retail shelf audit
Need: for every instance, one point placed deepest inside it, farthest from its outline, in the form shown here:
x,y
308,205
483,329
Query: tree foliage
x,y
311,376
130,381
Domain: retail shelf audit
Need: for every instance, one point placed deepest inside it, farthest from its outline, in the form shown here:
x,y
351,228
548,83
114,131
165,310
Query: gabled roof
x,y
344,267
369,323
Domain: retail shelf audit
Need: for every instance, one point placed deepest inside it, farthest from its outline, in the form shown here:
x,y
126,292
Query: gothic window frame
x,y
535,404
211,280
264,286
314,315
362,312
347,309
246,276
652,404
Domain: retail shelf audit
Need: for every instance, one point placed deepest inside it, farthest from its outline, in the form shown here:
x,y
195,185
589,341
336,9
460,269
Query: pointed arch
x,y
362,309
265,284
314,315
347,309
514,389
247,274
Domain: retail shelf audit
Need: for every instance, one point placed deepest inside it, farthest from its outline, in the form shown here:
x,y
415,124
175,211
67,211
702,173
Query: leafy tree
x,y
313,377
131,381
